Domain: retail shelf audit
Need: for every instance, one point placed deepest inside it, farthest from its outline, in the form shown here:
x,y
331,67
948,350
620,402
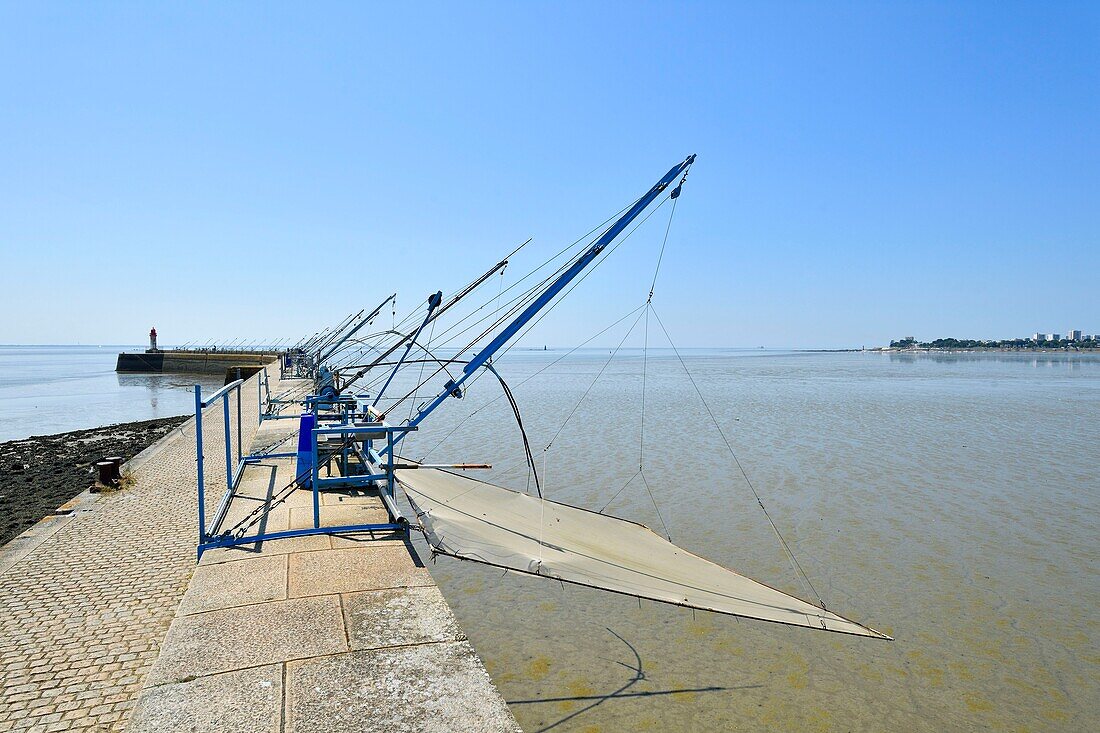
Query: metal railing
x,y
231,475
361,465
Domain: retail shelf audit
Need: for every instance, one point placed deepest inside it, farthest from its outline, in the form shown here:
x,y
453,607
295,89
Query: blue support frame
x,y
380,469
268,404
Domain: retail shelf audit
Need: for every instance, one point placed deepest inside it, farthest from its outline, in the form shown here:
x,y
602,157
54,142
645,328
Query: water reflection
x,y
1070,360
172,386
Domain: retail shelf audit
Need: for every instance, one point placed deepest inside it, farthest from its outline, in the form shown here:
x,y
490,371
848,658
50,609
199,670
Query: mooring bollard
x,y
106,473
116,461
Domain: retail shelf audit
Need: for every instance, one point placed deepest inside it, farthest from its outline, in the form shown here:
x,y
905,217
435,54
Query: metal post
x,y
389,466
228,447
198,460
239,433
316,475
260,398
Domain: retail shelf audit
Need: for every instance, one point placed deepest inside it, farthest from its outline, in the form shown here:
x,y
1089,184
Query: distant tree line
x,y
950,343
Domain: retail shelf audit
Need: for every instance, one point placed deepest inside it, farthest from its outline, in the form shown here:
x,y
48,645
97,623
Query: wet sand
x,y
42,472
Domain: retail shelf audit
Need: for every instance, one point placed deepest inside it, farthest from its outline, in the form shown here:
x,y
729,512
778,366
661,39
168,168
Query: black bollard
x,y
106,472
117,462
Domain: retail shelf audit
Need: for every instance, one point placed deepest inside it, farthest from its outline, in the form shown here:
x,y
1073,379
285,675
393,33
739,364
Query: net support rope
x,y
795,564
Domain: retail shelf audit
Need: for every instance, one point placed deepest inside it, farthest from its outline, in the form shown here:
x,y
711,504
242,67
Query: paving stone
x,y
87,605
432,687
268,547
400,617
339,516
374,567
254,516
244,701
225,585
220,641
261,480
357,497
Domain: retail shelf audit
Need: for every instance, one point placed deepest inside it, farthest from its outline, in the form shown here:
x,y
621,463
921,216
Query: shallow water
x,y
53,389
950,501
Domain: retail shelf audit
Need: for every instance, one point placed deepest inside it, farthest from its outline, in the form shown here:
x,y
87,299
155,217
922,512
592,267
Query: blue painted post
x,y
315,475
260,398
240,433
198,459
389,467
228,443
305,453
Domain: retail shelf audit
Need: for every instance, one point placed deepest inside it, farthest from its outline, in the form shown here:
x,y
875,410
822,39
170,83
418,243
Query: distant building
x,y
1037,337
1054,337
1074,335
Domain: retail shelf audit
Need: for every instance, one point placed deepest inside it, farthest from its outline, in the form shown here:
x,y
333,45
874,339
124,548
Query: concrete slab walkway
x,y
320,633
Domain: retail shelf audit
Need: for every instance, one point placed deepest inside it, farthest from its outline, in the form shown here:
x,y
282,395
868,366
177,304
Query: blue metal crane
x,y
454,387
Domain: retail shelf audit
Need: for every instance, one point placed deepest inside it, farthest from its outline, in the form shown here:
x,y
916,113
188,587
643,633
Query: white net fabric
x,y
473,520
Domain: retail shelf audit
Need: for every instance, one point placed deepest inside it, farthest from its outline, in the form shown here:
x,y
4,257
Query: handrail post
x,y
228,446
240,434
315,477
198,460
389,466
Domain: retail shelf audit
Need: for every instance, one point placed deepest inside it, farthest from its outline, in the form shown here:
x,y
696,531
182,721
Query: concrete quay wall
x,y
190,362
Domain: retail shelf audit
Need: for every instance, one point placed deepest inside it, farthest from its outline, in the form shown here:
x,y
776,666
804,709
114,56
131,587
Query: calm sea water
x,y
54,389
950,501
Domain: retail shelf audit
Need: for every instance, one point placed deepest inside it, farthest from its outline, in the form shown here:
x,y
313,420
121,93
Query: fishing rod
x,y
302,340
316,338
332,350
335,334
433,302
433,313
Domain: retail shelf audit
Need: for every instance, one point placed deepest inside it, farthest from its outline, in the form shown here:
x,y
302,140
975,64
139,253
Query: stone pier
x,y
108,624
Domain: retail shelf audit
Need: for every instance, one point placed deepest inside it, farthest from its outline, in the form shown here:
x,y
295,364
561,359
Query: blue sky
x,y
865,171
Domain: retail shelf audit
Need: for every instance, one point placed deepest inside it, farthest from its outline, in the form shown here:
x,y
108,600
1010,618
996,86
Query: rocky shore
x,y
40,473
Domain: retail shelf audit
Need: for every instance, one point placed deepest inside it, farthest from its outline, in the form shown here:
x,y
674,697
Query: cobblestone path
x,y
83,614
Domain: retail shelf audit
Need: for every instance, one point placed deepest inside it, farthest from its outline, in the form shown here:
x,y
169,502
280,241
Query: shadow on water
x,y
621,693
